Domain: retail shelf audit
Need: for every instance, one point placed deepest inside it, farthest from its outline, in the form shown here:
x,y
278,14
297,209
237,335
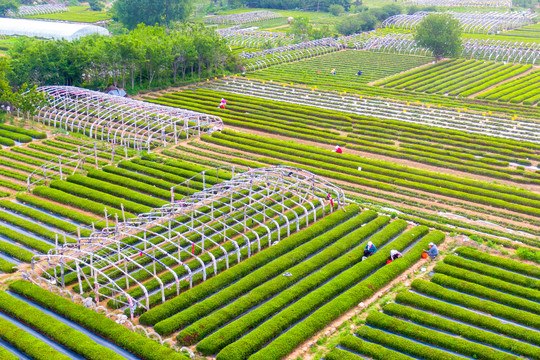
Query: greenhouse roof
x,y
48,29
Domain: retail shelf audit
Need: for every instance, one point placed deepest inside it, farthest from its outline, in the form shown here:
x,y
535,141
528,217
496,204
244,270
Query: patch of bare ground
x,y
432,199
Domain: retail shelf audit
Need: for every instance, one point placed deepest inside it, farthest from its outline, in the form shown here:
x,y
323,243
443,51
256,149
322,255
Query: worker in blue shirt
x,y
433,251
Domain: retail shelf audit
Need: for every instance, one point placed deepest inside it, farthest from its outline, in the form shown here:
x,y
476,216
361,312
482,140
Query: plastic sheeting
x,y
48,29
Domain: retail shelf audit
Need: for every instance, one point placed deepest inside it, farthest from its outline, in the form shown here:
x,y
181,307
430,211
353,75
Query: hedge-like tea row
x,y
259,276
15,165
401,344
43,217
484,292
233,331
129,183
507,264
220,281
125,191
33,228
15,136
15,251
78,202
339,354
26,343
436,338
60,210
6,141
7,267
38,245
308,269
468,316
55,329
99,196
133,342
360,346
327,303
157,183
31,133
464,331
23,159
515,315
487,281
194,186
381,168
443,187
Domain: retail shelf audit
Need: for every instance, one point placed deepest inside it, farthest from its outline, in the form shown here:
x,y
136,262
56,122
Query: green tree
x,y
336,9
150,12
27,100
6,5
441,33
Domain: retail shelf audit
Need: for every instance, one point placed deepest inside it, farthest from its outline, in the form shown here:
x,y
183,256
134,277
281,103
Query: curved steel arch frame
x,y
169,235
122,121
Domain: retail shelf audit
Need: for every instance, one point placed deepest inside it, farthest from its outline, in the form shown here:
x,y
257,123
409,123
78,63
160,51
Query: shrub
x,y
336,9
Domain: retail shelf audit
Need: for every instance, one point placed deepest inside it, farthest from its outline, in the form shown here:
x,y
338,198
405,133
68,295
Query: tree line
x,y
146,57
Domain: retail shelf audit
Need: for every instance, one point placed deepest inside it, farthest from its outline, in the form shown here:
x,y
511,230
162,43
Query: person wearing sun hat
x,y
433,251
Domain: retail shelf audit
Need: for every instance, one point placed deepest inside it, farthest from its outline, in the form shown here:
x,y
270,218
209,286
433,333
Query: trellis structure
x,y
38,10
254,38
475,22
242,18
121,121
460,3
166,237
289,53
480,49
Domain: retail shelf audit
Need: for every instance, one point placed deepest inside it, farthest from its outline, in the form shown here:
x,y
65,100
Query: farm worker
x,y
433,251
329,196
338,150
318,72
394,254
223,103
359,73
370,249
333,72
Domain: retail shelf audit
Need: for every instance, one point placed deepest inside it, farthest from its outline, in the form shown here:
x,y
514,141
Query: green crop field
x,y
475,305
456,77
317,71
231,219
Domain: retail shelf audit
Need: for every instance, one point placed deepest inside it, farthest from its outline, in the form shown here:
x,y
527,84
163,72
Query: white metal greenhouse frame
x,y
122,121
48,29
93,258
